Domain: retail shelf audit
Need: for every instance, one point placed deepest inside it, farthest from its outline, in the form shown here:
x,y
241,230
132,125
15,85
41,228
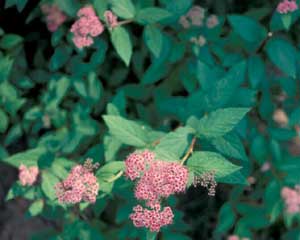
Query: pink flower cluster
x,y
153,219
157,179
162,179
291,199
137,162
54,16
86,27
28,175
194,17
110,19
287,6
80,185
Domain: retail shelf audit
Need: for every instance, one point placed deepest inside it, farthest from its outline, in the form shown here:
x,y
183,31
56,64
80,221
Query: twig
x,y
189,151
114,178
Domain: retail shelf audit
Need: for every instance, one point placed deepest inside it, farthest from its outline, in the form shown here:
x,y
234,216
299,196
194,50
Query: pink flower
x,y
265,167
200,41
111,19
54,16
184,22
80,185
161,180
287,6
291,199
28,175
153,219
194,17
233,237
196,14
136,163
86,27
212,21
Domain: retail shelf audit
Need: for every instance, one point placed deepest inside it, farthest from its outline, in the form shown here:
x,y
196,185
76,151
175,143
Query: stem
x,y
125,22
114,178
189,151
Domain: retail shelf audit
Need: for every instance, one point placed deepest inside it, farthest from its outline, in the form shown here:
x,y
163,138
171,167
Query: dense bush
x,y
143,119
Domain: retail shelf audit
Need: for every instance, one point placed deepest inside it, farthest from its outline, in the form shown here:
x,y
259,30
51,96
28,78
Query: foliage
x,y
221,98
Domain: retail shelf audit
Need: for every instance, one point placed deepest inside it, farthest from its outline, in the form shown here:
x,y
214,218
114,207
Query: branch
x,y
189,151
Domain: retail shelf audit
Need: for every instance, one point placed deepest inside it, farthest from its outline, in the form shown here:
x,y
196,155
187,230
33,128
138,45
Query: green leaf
x,y
36,207
151,235
4,121
109,170
126,131
60,57
21,4
286,20
173,145
217,123
231,146
256,70
123,8
151,15
202,162
111,147
48,182
10,41
17,190
122,43
283,55
5,67
154,39
248,28
95,87
28,158
235,178
226,218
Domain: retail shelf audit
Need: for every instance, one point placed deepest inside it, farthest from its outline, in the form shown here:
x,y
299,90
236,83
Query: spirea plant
x,y
143,119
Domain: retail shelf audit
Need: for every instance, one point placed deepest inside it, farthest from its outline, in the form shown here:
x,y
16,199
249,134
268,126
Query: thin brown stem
x,y
114,178
125,22
189,151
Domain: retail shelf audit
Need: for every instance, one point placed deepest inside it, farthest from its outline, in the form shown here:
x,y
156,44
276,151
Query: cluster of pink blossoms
x,y
80,185
212,21
86,27
287,6
28,175
54,16
153,219
89,26
291,199
157,179
194,17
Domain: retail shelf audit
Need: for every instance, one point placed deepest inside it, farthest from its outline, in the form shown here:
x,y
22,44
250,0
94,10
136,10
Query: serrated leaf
x,y
36,207
226,218
248,28
123,8
256,70
28,158
154,39
231,146
151,15
48,182
10,41
126,131
122,43
283,55
173,145
5,67
202,162
217,123
109,170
